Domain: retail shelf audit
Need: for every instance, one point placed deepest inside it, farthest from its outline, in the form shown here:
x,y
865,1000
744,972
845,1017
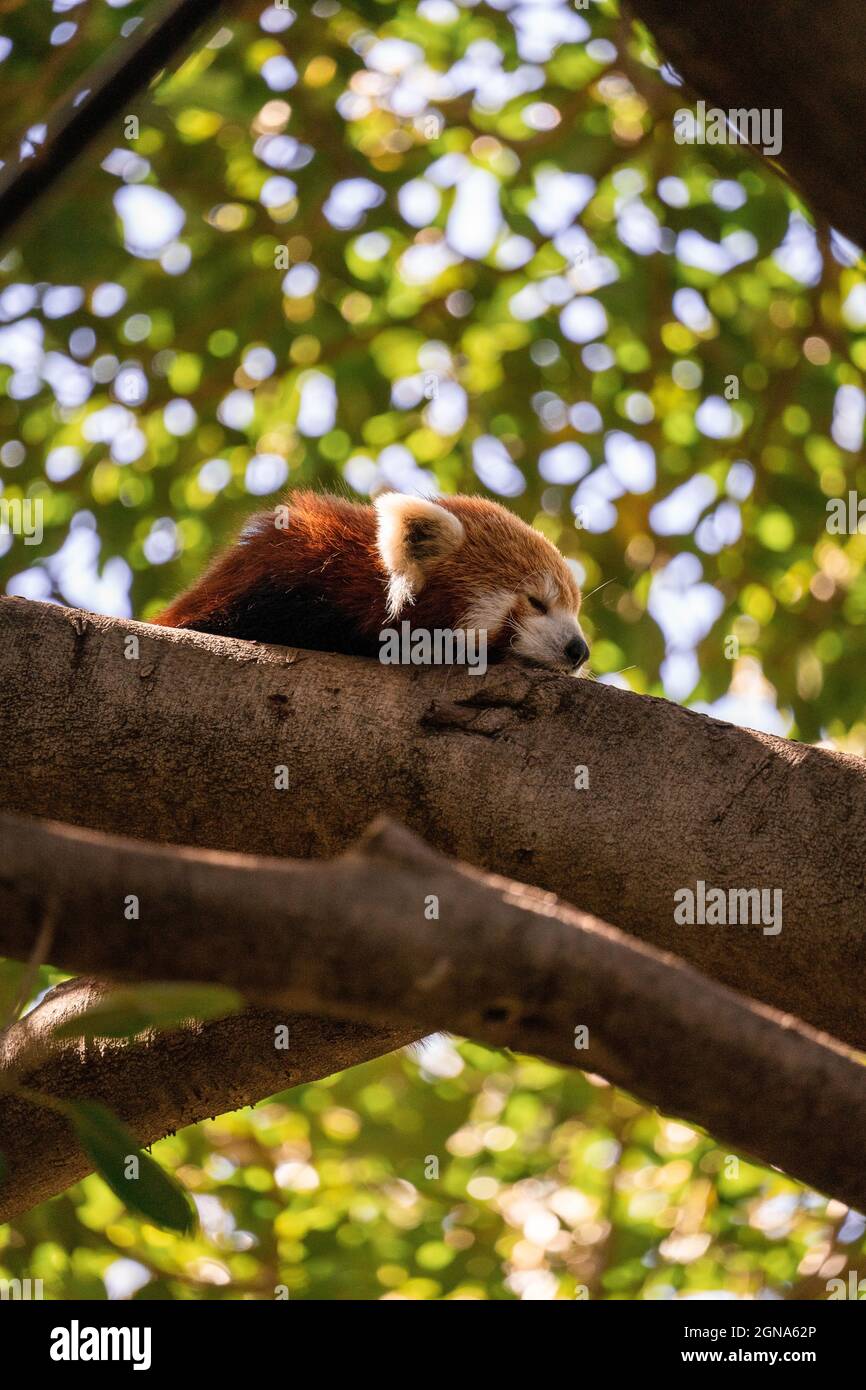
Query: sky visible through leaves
x,y
445,247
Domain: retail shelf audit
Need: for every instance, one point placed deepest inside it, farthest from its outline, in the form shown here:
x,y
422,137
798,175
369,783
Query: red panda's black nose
x,y
577,651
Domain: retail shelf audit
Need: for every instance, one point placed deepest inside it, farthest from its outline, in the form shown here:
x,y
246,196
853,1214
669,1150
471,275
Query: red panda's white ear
x,y
413,535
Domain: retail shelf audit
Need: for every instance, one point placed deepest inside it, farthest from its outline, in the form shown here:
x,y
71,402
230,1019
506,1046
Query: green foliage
x,y
451,1173
140,1183
131,1009
583,366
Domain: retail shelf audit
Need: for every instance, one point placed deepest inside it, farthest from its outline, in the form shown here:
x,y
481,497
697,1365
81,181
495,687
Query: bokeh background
x,y
443,246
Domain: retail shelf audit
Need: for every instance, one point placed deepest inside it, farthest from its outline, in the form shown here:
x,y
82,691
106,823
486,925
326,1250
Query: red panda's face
x,y
468,563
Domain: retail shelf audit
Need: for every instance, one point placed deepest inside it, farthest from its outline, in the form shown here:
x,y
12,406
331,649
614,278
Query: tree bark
x,y
354,938
182,743
807,61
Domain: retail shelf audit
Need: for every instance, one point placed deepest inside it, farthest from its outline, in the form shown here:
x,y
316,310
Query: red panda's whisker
x,y
599,586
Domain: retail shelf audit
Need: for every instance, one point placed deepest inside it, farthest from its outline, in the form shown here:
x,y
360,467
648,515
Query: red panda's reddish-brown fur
x,y
337,573
327,544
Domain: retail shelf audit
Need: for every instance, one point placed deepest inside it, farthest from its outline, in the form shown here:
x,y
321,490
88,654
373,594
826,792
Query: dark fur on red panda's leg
x,y
297,617
314,581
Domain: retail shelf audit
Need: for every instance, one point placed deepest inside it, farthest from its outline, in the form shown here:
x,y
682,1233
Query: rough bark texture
x,y
158,1084
807,60
181,745
351,938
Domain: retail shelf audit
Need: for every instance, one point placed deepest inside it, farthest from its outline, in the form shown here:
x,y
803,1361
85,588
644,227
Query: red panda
x,y
331,575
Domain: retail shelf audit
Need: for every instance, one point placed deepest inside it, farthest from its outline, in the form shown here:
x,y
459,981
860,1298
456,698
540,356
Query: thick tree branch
x,y
808,62
182,743
496,960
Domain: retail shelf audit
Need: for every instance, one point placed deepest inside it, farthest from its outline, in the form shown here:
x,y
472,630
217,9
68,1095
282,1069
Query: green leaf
x,y
129,1010
109,1144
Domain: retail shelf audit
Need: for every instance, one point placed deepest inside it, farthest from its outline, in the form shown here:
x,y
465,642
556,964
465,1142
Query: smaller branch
x,y
391,932
157,1084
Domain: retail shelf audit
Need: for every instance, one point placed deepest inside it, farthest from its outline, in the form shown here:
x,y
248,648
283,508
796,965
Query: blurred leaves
x,y
129,1010
448,1172
441,246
